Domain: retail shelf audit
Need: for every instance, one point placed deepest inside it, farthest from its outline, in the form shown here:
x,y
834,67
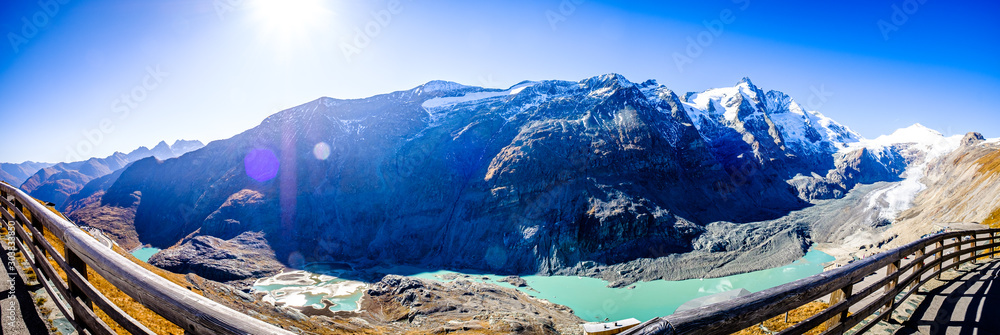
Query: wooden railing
x,y
906,268
192,312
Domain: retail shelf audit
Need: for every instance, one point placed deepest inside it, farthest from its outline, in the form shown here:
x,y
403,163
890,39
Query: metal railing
x,y
189,311
925,259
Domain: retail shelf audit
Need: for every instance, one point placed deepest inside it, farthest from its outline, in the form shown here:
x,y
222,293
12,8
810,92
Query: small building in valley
x,y
610,328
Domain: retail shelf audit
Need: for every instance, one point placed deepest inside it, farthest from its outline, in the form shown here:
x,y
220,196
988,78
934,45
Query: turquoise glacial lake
x,y
143,254
592,300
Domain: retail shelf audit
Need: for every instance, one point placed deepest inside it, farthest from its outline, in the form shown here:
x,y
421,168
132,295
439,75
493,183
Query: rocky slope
x,y
406,304
211,257
57,183
544,177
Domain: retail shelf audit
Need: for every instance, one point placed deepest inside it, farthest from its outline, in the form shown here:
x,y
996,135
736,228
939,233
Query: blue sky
x,y
209,69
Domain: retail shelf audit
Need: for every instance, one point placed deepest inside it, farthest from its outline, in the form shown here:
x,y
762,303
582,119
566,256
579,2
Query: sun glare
x,y
290,18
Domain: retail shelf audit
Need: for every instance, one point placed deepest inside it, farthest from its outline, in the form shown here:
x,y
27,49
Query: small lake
x,y
324,293
143,254
592,300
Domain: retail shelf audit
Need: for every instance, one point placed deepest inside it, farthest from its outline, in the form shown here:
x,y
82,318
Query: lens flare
x,y
321,151
261,164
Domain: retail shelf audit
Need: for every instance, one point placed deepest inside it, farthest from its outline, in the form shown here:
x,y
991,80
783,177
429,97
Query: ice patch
x,y
449,101
899,197
529,232
475,96
301,288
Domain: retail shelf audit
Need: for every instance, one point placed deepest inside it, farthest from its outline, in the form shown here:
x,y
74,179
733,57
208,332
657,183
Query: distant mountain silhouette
x,y
56,183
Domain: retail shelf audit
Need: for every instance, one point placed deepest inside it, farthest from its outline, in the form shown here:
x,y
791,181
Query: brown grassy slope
x,y
990,163
797,315
116,222
994,219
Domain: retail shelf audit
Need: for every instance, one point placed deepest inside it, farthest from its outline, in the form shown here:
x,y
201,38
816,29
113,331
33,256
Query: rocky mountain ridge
x,y
16,174
58,182
543,177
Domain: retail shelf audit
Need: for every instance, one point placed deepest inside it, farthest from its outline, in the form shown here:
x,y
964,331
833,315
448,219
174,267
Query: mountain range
x,y
543,177
17,173
56,183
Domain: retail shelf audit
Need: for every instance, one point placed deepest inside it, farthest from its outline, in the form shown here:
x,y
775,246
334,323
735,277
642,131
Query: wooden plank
x,y
87,317
841,307
124,320
194,313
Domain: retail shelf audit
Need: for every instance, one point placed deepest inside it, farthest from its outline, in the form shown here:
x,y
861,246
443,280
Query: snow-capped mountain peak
x,y
749,90
919,137
440,85
802,132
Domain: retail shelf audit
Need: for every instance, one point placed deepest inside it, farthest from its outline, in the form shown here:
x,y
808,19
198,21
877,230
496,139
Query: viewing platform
x,y
939,284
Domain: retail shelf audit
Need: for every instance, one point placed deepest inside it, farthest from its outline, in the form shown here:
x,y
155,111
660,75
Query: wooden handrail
x,y
192,312
888,292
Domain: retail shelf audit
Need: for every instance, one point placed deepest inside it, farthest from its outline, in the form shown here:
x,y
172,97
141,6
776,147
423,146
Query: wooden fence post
x,y
889,271
938,257
972,245
958,248
39,240
836,297
77,263
994,248
916,267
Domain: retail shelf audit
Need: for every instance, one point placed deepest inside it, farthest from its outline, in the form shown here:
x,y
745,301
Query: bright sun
x,y
289,18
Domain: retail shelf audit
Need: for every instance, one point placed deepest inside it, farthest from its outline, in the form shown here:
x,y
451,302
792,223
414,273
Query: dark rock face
x,y
245,256
973,138
59,182
861,166
84,197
